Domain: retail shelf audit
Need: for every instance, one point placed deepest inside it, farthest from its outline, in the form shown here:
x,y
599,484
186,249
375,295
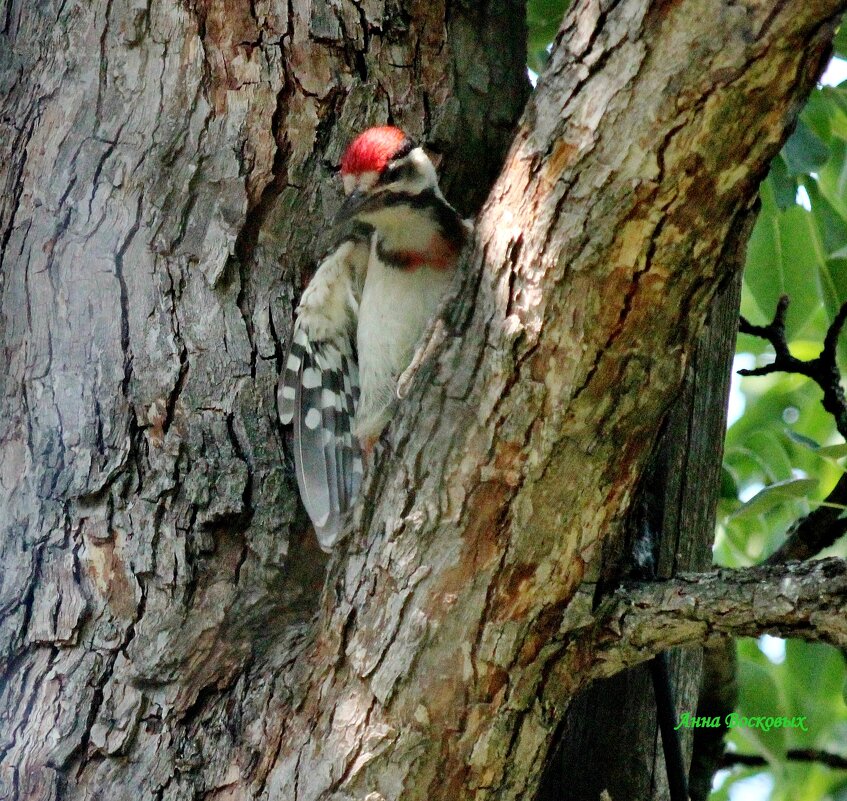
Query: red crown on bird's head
x,y
372,149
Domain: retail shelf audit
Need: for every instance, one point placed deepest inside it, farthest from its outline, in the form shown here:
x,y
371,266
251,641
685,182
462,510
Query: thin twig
x,y
819,529
823,370
822,527
831,760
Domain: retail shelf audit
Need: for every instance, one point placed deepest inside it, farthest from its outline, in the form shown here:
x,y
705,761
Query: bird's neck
x,y
438,253
416,231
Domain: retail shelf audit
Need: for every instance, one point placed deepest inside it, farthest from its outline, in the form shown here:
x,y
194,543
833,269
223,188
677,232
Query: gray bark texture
x,y
168,627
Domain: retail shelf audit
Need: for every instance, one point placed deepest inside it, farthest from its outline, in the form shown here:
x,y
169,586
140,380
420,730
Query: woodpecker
x,y
397,242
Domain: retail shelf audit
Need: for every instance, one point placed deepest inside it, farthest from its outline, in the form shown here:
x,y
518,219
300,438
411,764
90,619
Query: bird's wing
x,y
319,388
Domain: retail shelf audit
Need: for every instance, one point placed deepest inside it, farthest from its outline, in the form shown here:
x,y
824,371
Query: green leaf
x,y
832,225
835,104
800,439
779,186
826,112
817,113
805,151
832,177
777,494
786,256
839,44
770,446
802,253
833,283
543,19
833,451
759,693
729,486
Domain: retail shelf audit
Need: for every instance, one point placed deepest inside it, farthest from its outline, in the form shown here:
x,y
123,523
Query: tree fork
x,y
560,368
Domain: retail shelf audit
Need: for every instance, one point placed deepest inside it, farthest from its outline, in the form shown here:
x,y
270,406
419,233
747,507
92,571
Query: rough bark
x,y
519,451
165,170
807,599
610,730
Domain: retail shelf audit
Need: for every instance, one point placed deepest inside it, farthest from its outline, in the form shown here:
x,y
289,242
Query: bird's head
x,y
379,162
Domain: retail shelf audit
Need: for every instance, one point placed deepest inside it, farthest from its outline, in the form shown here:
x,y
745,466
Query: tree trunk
x,y
167,173
611,730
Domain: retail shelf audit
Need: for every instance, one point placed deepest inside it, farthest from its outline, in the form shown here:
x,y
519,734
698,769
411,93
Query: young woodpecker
x,y
360,317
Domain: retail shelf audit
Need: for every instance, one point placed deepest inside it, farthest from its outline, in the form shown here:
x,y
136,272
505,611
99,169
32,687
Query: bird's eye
x,y
396,171
389,174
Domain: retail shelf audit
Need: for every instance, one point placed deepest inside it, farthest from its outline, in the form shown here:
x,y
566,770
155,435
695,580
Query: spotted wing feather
x,y
318,393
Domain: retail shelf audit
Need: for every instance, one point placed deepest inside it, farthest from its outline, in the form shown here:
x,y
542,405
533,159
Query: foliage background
x,y
783,454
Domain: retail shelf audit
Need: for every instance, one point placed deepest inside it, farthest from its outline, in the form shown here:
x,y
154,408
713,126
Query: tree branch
x,y
823,526
800,599
730,758
823,369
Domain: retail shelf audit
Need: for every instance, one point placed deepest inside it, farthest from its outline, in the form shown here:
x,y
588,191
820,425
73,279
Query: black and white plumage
x,y
319,390
361,316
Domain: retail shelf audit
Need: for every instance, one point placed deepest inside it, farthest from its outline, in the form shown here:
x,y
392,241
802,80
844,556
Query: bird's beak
x,y
355,200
